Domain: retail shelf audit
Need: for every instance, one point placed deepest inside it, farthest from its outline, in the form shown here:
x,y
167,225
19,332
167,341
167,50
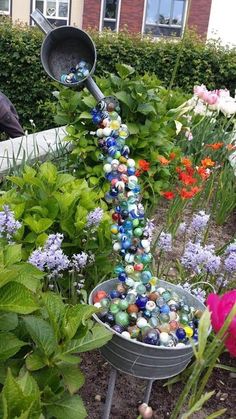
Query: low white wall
x,y
15,152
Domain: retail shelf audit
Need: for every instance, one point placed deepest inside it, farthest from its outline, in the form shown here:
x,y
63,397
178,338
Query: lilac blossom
x,y
94,217
79,261
165,241
230,262
8,224
149,229
182,228
231,248
50,258
199,223
197,292
199,258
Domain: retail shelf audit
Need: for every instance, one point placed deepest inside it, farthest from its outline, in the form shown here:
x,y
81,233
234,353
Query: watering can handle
x,y
41,21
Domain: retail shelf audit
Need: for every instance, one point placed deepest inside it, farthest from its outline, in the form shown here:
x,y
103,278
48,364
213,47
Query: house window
x,y
110,14
56,12
5,7
165,17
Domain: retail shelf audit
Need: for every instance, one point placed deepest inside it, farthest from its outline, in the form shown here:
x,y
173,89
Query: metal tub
x,y
140,359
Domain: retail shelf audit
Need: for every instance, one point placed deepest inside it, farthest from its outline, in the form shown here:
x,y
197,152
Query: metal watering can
x,y
62,48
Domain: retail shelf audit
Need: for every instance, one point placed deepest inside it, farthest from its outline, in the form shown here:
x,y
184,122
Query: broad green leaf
x,y
63,179
68,408
93,339
146,108
8,321
89,101
9,345
80,217
85,115
42,334
203,332
74,317
20,395
124,70
126,99
38,226
69,359
17,180
7,275
55,310
72,377
13,397
35,361
133,128
48,172
18,299
28,275
12,254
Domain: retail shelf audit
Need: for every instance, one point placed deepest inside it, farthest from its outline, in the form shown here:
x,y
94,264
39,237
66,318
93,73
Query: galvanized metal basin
x,y
140,359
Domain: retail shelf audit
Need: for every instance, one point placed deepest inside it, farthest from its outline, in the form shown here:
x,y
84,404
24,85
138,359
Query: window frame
x,y
105,19
56,17
163,25
9,13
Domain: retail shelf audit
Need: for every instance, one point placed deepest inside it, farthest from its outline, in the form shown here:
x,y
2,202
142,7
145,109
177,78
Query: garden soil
x,y
129,391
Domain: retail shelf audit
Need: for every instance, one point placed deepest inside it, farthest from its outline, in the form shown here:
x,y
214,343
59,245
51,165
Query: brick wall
x,y
199,15
131,15
91,14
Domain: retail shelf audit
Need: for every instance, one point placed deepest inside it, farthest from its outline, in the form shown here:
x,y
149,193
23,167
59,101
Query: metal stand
x,y
110,392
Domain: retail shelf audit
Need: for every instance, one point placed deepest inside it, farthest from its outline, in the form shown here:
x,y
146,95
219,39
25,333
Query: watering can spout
x,y
41,22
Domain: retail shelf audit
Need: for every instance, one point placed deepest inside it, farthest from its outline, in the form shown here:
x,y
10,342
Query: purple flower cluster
x,y
94,217
165,241
199,223
149,229
230,260
200,258
8,224
79,261
50,258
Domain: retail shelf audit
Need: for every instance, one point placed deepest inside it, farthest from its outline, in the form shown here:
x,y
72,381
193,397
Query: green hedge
x,y
24,81
22,77
211,64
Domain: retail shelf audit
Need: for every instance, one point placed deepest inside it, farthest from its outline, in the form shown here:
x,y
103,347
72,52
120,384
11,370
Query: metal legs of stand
x,y
110,392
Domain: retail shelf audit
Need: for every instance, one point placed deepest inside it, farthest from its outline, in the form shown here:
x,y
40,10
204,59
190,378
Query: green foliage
x,y
211,64
22,77
145,107
39,365
21,68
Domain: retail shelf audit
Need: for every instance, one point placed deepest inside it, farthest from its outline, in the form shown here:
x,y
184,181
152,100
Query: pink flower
x,y
200,90
220,307
212,98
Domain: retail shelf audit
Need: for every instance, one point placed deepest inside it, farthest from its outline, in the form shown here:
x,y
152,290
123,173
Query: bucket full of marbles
x,y
68,55
151,331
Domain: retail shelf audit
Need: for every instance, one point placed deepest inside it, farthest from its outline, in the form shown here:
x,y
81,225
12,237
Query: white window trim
x,y
4,13
185,13
101,20
56,16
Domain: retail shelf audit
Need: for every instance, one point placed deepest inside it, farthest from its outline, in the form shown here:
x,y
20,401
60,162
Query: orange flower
x,y
172,156
202,171
168,195
163,160
231,147
188,194
186,162
207,162
178,169
215,146
187,179
144,165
